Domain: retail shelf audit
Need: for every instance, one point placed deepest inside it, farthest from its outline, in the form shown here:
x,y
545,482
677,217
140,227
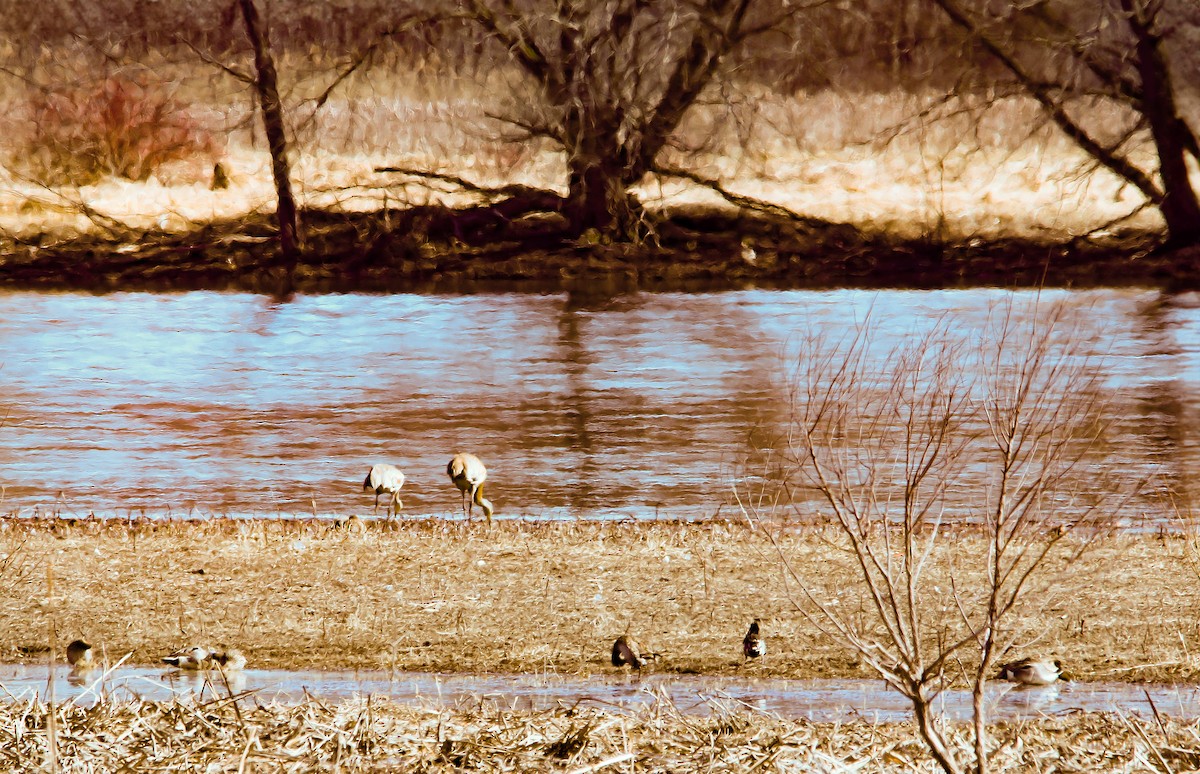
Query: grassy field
x,y
531,597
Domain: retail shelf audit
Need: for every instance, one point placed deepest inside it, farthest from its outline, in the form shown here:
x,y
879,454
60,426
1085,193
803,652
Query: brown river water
x,y
641,406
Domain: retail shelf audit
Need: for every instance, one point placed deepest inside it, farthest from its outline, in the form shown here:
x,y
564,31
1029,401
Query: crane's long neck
x,y
483,502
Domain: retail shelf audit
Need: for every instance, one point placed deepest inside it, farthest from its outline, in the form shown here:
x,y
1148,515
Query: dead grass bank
x,y
376,735
524,597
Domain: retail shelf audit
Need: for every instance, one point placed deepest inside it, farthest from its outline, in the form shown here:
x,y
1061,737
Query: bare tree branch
x,y
741,200
1054,107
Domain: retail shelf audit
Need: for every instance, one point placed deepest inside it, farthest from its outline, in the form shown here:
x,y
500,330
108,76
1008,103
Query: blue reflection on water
x,y
818,700
644,405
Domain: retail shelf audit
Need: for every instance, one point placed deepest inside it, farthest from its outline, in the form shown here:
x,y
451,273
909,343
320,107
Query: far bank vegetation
x,y
544,124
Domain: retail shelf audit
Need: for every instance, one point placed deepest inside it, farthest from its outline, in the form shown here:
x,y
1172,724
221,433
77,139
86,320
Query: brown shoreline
x,y
438,250
373,734
524,596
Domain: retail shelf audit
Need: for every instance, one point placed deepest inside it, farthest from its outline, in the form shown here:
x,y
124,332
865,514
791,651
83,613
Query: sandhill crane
x,y
79,655
385,478
1030,672
468,474
753,645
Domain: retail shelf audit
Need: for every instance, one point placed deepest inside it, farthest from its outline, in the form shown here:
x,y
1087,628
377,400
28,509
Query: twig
x,y
741,200
603,764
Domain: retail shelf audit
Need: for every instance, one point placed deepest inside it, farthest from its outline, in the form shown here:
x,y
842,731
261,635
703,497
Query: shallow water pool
x,y
818,700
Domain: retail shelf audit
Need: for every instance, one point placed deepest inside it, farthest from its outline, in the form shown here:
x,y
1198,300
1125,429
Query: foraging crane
x,y
385,478
753,644
468,474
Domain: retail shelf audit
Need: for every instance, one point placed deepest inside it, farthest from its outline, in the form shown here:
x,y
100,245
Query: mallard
x,y
468,474
79,654
1027,671
385,479
753,645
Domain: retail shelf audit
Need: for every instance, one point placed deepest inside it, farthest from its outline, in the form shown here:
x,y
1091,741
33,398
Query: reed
x,y
228,734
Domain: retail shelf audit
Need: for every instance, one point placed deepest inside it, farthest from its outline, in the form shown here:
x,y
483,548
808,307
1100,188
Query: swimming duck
x,y
79,655
1030,672
191,657
232,660
196,657
753,645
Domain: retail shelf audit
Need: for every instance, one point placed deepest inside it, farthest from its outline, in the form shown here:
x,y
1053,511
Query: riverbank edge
x,y
524,596
441,250
377,734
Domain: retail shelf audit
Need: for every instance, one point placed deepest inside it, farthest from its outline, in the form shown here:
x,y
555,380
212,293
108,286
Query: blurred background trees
x,y
592,100
1117,77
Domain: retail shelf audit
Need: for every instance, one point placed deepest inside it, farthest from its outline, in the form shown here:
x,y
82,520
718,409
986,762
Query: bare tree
x,y
1136,54
1001,433
614,80
267,88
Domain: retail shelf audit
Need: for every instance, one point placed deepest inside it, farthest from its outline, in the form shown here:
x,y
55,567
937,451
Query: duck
x,y
1027,671
79,655
467,473
232,660
753,644
385,479
196,657
626,650
191,657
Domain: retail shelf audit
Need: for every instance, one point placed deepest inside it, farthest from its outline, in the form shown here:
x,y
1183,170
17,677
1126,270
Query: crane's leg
x,y
479,497
376,502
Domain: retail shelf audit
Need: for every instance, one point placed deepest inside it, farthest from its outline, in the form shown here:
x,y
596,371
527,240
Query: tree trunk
x,y
598,198
1179,206
927,727
266,84
979,711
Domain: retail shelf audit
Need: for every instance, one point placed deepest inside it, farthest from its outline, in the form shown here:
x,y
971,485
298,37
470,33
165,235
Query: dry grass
x,y
374,735
527,597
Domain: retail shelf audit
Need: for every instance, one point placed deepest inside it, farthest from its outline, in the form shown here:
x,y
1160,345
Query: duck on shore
x,y
626,650
753,644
